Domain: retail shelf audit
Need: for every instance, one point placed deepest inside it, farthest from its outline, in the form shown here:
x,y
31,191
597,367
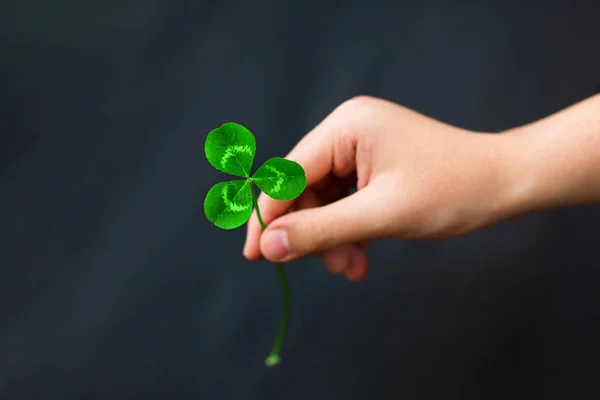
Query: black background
x,y
113,285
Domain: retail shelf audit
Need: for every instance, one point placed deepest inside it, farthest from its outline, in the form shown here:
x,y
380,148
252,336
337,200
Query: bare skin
x,y
418,178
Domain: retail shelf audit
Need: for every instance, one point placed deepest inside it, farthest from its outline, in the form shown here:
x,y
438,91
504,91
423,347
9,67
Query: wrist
x,y
555,162
525,184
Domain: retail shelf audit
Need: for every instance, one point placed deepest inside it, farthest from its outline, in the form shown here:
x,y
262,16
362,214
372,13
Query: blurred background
x,y
113,285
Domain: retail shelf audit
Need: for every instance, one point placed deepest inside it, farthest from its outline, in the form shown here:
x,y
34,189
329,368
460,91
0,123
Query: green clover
x,y
231,149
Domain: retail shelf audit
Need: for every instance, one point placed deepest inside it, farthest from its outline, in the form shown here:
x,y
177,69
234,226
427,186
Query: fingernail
x,y
276,244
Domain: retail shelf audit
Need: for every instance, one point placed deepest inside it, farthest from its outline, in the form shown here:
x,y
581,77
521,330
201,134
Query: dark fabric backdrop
x,y
113,285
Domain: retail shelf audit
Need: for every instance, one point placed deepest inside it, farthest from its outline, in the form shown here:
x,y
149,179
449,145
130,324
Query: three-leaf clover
x,y
231,148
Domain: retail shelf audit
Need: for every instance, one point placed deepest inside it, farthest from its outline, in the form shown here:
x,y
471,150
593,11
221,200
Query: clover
x,y
231,149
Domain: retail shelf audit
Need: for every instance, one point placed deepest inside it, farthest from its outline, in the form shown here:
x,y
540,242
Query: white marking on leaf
x,y
279,180
232,150
234,207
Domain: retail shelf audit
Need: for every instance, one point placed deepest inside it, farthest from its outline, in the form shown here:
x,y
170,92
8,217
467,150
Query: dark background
x,y
113,285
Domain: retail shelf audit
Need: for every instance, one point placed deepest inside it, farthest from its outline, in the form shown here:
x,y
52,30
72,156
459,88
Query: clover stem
x,y
274,358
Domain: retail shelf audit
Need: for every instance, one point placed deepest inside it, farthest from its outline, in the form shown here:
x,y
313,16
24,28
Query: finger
x,y
358,217
316,153
337,259
343,258
357,269
251,247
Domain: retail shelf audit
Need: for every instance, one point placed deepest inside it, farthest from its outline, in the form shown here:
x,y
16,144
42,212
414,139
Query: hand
x,y
416,178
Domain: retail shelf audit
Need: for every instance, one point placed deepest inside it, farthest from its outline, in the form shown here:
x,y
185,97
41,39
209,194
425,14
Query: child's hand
x,y
417,178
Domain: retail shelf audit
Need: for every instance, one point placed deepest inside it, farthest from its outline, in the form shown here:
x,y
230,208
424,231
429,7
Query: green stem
x,y
274,357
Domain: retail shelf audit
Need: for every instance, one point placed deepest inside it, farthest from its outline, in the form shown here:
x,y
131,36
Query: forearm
x,y
555,162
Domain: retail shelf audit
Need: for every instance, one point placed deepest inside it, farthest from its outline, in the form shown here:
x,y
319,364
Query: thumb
x,y
358,217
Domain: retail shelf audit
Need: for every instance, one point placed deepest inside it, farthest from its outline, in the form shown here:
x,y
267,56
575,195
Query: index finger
x,y
315,153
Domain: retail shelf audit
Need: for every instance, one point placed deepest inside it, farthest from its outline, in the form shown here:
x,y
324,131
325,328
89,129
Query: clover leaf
x,y
280,179
231,149
228,205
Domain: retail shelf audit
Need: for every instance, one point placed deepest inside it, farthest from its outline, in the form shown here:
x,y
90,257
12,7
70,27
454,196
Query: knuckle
x,y
358,102
346,119
355,114
355,106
